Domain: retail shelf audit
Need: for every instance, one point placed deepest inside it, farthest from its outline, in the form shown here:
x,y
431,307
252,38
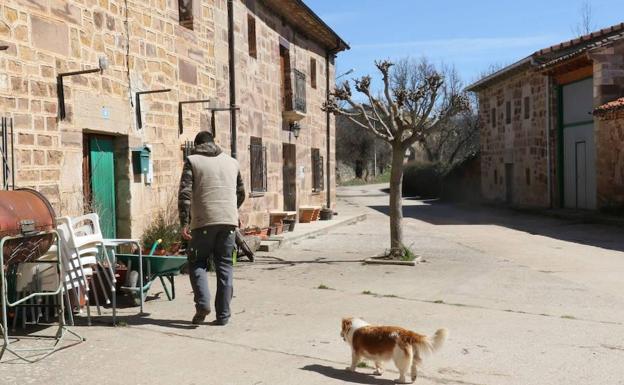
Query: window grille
x,y
258,163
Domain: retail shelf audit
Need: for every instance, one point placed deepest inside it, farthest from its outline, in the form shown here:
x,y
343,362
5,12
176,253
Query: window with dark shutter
x,y
185,13
300,91
493,117
251,36
258,165
508,112
527,106
313,73
317,170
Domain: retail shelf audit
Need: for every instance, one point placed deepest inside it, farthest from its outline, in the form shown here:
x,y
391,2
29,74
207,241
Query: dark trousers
x,y
216,244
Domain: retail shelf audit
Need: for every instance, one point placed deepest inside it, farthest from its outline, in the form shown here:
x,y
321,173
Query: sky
x,y
470,35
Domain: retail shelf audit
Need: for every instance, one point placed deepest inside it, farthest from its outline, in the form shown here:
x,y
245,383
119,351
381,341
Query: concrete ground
x,y
527,300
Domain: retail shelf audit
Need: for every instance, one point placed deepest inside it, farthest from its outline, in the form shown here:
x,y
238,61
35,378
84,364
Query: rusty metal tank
x,y
25,212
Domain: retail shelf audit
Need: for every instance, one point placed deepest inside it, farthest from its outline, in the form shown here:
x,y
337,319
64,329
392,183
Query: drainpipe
x,y
232,71
548,127
328,126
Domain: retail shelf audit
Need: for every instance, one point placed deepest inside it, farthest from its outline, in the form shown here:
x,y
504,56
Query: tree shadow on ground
x,y
570,230
346,376
146,320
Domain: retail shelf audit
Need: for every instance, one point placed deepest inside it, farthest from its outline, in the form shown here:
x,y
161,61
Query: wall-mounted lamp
x,y
295,127
180,118
138,104
345,74
103,64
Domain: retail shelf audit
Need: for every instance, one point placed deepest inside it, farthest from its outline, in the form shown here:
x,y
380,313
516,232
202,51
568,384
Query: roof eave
x,y
527,62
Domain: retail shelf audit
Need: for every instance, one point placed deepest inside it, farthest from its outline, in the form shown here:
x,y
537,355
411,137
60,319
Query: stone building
x,y
255,72
551,133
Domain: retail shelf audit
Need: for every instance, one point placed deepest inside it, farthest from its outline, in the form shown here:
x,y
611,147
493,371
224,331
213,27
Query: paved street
x,y
527,300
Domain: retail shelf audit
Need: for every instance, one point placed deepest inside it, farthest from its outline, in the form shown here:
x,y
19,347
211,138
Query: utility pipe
x,y
328,127
232,72
548,126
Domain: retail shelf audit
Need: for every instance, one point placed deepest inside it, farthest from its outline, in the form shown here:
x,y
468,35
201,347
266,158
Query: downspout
x,y
232,78
548,127
328,128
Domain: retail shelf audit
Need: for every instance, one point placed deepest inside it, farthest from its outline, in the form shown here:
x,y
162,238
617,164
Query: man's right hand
x,y
186,233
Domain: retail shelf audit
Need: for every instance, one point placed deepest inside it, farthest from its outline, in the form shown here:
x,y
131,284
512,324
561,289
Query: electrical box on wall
x,y
141,157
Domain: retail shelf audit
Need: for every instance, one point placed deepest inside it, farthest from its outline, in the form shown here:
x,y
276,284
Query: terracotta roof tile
x,y
614,105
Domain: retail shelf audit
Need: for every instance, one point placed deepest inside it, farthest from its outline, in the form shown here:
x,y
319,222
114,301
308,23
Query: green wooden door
x,y
102,163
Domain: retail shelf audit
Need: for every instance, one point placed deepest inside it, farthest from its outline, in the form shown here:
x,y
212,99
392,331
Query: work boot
x,y
200,316
220,322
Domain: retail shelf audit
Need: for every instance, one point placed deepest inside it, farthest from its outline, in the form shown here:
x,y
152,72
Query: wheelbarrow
x,y
154,267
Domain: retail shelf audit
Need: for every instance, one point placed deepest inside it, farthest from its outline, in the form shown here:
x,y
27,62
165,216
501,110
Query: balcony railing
x,y
300,91
295,103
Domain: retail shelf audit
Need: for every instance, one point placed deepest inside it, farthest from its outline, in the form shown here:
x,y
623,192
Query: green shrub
x,y
161,228
421,179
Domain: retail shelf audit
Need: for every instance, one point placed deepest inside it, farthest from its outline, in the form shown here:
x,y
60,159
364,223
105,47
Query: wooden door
x,y
579,149
102,182
289,152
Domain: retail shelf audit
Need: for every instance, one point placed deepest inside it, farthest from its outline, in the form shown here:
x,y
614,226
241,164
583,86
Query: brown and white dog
x,y
382,343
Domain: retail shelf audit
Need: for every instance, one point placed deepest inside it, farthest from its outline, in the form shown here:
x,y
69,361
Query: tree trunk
x,y
396,200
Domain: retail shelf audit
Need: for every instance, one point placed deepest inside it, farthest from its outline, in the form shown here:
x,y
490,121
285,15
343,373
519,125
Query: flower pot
x,y
306,215
326,214
289,224
175,248
264,233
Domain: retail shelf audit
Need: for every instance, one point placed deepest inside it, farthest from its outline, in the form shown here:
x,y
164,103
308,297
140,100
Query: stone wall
x,y
147,49
610,160
608,73
259,97
522,142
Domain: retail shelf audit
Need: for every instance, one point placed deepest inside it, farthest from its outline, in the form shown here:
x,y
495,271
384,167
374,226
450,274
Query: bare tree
x,y
586,23
410,106
358,149
455,138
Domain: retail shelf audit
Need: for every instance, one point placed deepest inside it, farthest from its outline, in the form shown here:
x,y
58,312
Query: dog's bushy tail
x,y
430,344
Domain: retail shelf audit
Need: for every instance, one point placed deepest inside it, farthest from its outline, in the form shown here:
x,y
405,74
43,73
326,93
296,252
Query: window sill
x,y
256,194
317,192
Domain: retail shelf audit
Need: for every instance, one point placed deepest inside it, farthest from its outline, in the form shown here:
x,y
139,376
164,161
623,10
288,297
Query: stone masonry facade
x,y
521,142
148,49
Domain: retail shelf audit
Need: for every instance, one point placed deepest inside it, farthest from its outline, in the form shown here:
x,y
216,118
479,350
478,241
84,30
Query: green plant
x,y
323,287
381,178
408,254
422,179
163,229
368,292
362,364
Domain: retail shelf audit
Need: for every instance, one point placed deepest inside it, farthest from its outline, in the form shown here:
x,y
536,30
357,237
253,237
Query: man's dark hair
x,y
203,137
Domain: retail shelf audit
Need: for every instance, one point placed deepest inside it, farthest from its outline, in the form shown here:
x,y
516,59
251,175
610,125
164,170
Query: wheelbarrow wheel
x,y
133,281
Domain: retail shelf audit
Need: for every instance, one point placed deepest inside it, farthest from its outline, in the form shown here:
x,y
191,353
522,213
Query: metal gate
x,y
7,154
579,150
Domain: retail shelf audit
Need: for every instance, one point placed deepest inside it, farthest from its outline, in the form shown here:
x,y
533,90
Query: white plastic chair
x,y
86,250
88,239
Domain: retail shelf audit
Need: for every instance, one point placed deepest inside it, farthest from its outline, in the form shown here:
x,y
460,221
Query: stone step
x,y
269,245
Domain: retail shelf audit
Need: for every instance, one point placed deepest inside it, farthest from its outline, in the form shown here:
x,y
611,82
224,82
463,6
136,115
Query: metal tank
x,y
25,212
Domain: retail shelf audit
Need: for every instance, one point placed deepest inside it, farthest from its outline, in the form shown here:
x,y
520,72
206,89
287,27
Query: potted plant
x,y
326,213
165,230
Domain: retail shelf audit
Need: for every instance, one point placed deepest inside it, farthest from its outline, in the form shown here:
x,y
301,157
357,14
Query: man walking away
x,y
211,191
